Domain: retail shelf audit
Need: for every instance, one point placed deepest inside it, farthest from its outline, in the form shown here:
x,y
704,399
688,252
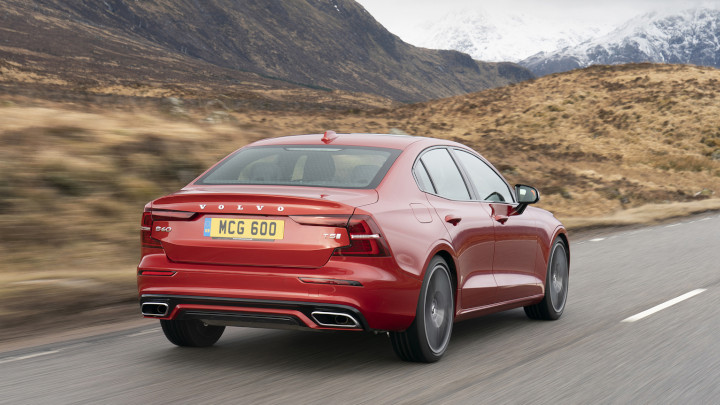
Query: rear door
x,y
467,222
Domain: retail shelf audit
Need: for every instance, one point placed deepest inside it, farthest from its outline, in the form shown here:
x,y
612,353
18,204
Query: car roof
x,y
355,139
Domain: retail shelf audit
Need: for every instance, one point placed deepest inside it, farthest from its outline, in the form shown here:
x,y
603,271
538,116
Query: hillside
x,y
594,141
604,145
321,44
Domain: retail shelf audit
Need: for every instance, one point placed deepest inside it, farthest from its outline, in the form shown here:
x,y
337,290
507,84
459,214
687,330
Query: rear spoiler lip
x,y
318,201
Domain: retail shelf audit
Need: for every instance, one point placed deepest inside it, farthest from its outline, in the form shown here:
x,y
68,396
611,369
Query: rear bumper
x,y
255,313
386,298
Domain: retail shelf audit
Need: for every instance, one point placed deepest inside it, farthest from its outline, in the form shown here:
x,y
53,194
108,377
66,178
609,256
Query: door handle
x,y
452,219
500,218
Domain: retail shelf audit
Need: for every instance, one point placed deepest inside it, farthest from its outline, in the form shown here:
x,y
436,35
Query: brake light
x,y
166,215
146,231
146,225
338,221
365,238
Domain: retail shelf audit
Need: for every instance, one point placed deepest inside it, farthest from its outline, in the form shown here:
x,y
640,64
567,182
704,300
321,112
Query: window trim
x,y
420,163
468,188
465,174
474,196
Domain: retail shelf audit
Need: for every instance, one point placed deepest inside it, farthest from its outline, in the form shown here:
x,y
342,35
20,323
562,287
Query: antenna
x,y
329,136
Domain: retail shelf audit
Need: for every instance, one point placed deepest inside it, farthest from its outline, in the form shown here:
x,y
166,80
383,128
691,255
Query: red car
x,y
356,232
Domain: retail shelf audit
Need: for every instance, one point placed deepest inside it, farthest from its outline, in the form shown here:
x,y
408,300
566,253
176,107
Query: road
x,y
590,355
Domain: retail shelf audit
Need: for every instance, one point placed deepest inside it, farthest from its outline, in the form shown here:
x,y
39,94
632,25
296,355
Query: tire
x,y
556,285
428,336
191,332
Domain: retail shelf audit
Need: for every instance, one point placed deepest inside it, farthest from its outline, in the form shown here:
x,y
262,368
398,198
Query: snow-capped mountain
x,y
495,36
688,37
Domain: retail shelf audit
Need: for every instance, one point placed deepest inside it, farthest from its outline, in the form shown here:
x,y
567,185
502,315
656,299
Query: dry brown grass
x,y
605,146
644,215
597,143
71,181
596,140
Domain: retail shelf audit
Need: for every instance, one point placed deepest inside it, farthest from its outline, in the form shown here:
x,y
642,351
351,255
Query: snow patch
x,y
689,36
496,36
334,4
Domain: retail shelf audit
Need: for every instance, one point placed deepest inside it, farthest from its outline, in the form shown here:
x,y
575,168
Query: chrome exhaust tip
x,y
159,309
334,319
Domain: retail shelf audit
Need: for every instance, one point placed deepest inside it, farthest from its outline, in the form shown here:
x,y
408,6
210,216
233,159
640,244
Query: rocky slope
x,y
689,37
501,36
324,44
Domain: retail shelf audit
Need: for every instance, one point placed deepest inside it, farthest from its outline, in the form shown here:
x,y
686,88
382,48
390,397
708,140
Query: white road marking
x,y
597,239
28,356
145,332
664,305
673,225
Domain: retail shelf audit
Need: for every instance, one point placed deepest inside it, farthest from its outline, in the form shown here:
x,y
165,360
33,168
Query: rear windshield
x,y
297,165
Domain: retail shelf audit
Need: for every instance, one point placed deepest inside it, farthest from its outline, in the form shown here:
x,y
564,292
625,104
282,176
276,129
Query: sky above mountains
x,y
409,18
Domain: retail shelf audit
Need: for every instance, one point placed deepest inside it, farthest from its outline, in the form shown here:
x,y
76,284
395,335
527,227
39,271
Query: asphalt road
x,y
590,355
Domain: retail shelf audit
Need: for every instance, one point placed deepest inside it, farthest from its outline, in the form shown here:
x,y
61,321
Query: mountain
x,y
500,36
687,37
325,44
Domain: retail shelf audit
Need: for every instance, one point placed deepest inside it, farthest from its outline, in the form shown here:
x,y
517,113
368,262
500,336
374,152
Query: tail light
x,y
338,221
146,238
146,226
365,238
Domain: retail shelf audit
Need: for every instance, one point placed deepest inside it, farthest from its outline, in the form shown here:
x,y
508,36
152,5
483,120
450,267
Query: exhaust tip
x,y
335,319
154,309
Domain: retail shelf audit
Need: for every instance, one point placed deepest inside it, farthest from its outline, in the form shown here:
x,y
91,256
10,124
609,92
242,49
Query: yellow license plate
x,y
241,228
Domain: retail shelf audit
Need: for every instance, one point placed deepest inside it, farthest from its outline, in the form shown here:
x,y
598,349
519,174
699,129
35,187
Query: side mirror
x,y
526,195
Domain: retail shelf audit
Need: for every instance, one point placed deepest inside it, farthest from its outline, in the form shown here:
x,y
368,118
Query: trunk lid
x,y
256,226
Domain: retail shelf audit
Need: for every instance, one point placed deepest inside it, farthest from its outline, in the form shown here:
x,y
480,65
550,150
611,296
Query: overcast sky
x,y
404,17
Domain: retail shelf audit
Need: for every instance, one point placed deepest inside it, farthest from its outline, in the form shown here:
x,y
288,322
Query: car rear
x,y
280,236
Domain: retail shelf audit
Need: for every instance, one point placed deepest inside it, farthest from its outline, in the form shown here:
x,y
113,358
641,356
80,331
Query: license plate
x,y
242,228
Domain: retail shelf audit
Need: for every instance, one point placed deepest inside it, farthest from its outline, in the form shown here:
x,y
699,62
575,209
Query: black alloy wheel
x,y
556,285
427,339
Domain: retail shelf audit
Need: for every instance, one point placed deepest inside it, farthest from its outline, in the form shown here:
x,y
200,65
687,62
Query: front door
x,y
515,254
515,236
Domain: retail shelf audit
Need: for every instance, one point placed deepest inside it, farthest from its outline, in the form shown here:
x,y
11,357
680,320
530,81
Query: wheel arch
x,y
562,234
450,260
446,253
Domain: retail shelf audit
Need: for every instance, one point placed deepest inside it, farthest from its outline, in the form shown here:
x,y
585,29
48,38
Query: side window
x,y
445,175
489,185
422,178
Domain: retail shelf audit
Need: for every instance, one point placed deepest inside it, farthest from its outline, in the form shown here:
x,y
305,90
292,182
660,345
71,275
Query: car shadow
x,y
338,351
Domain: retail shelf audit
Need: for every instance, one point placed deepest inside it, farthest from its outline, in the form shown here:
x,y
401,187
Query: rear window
x,y
297,165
